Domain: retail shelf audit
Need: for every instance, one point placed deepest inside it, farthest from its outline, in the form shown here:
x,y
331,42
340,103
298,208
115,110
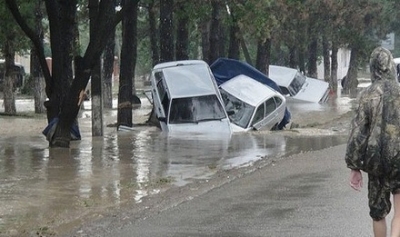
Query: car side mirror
x,y
230,112
162,119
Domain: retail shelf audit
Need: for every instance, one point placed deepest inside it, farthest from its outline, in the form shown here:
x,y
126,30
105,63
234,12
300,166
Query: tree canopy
x,y
294,33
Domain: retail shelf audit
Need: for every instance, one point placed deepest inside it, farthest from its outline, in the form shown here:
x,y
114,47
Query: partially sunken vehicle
x,y
298,86
224,69
186,98
252,105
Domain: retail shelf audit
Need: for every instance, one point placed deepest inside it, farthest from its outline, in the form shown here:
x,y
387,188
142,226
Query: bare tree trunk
x,y
182,36
327,60
214,32
263,55
351,81
107,72
65,102
128,62
205,39
312,58
39,94
8,84
334,80
96,81
166,29
71,104
153,34
234,39
222,41
292,57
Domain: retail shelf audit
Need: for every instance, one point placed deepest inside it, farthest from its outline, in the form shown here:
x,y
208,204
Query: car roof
x,y
179,63
188,78
283,76
248,90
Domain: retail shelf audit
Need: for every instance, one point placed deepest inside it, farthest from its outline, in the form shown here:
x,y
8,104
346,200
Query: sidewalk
x,y
303,195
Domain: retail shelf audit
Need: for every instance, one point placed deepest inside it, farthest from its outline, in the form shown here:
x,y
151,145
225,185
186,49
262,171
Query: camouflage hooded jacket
x,y
375,130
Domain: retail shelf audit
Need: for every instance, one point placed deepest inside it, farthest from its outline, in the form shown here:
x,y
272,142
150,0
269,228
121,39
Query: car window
x,y
284,90
259,115
297,83
196,109
278,101
270,106
241,111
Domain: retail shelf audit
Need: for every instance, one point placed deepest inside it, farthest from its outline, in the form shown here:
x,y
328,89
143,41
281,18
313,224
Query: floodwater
x,y
43,188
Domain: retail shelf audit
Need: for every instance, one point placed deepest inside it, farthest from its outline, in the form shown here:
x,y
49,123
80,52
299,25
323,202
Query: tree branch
x,y
11,4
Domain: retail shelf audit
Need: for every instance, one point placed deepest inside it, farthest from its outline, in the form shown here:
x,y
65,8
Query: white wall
x,y
343,59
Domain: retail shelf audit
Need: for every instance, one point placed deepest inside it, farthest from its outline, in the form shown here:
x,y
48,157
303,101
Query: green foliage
x,y
286,22
10,29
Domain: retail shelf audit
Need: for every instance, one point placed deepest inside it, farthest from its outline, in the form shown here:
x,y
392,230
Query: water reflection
x,y
50,187
41,186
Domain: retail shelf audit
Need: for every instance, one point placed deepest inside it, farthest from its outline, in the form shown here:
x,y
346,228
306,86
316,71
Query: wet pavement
x,y
42,189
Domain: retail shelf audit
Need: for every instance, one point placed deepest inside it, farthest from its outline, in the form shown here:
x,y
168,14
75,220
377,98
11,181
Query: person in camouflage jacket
x,y
374,142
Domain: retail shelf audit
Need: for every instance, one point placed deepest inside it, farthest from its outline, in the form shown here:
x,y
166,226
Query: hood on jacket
x,y
381,65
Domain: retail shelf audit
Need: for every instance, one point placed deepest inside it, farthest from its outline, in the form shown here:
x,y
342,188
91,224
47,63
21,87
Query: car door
x,y
268,121
160,97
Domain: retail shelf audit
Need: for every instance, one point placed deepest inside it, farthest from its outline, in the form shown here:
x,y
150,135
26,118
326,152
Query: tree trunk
x,y
39,94
234,39
351,82
107,72
263,55
166,29
153,33
245,51
96,82
106,23
128,62
302,61
214,32
292,57
312,58
8,84
327,61
334,80
205,39
57,89
182,36
222,41
39,84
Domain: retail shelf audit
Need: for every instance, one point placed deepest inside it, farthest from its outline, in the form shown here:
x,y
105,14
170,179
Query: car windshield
x,y
297,84
239,112
196,109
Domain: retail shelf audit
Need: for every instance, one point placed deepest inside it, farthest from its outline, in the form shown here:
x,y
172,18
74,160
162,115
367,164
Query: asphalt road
x,y
302,195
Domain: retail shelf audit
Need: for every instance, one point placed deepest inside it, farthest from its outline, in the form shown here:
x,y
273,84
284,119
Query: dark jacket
x,y
375,130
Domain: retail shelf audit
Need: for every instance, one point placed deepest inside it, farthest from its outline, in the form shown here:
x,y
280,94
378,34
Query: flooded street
x,y
43,190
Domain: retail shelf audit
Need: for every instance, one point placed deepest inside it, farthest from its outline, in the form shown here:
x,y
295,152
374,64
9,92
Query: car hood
x,y
313,90
202,127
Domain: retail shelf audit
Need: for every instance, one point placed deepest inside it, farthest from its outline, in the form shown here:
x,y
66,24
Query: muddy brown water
x,y
43,188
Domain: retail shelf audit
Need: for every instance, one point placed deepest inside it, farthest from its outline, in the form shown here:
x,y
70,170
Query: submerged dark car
x,y
225,69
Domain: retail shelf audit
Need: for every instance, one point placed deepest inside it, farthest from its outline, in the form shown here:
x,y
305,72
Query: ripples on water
x,y
41,186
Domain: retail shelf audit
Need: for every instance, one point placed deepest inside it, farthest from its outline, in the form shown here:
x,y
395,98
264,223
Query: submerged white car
x,y
186,98
297,86
252,105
